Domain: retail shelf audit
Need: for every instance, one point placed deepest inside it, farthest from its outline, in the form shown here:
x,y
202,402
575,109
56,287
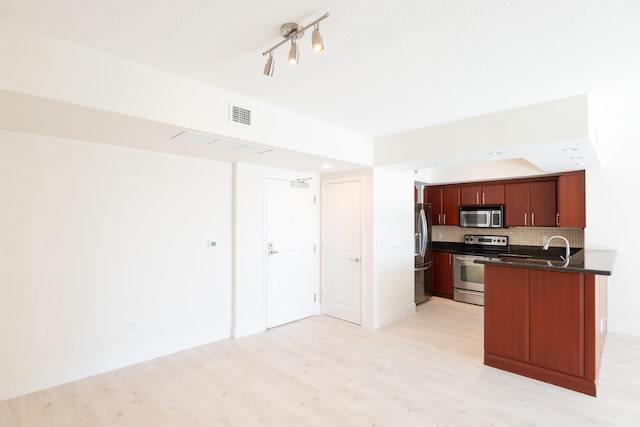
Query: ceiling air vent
x,y
240,115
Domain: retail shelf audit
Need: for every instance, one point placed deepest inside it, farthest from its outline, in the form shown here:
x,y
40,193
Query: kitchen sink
x,y
524,259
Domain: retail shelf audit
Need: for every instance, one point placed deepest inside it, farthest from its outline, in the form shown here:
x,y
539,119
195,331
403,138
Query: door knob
x,y
356,259
270,250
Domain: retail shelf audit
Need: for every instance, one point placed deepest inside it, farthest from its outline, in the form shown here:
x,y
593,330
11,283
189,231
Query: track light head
x,y
293,52
268,67
316,39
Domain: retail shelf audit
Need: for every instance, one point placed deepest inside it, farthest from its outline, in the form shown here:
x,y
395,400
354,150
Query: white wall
x,y
249,244
612,198
94,237
393,228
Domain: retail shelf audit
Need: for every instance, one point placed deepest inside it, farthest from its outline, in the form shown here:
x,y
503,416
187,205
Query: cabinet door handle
x,y
525,219
439,218
477,198
444,219
483,199
558,219
533,219
450,257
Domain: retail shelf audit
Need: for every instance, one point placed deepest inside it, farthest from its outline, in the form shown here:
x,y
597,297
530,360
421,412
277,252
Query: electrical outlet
x,y
133,326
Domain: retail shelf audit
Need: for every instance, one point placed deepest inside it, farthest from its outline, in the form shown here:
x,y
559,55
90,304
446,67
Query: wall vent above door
x,y
239,115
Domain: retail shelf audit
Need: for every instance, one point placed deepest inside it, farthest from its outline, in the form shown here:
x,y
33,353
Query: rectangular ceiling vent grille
x,y
240,115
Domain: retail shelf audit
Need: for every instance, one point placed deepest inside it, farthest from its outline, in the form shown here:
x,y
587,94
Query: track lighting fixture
x,y
293,31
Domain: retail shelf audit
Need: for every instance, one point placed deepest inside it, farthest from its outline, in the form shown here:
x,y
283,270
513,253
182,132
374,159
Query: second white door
x,y
341,242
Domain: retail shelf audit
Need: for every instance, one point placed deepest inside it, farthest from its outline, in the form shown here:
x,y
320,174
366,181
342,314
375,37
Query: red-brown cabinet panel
x,y
470,194
433,195
506,312
531,204
557,321
571,200
542,203
450,204
493,194
443,274
516,209
481,194
444,200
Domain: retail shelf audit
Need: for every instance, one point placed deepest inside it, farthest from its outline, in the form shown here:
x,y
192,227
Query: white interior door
x,y
290,231
341,242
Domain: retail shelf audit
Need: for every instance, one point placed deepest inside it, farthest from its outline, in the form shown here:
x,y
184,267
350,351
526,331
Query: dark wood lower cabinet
x,y
545,325
443,274
506,327
557,321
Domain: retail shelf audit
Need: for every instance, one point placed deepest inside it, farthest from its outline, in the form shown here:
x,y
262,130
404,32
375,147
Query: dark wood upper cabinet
x,y
493,194
531,204
450,203
481,194
433,195
571,200
444,200
542,203
516,210
470,194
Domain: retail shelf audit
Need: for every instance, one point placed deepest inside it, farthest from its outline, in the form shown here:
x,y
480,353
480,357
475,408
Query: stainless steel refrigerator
x,y
423,254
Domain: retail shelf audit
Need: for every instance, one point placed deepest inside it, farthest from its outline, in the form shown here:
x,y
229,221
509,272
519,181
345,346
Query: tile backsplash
x,y
530,236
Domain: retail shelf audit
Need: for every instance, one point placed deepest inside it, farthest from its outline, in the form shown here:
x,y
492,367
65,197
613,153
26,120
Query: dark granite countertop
x,y
588,261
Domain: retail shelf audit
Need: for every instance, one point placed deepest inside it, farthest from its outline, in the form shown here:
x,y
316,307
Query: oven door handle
x,y
468,292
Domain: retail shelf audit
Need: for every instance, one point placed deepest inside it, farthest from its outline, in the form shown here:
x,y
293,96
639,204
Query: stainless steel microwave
x,y
488,216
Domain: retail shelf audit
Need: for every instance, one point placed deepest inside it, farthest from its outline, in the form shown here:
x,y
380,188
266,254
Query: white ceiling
x,y
388,66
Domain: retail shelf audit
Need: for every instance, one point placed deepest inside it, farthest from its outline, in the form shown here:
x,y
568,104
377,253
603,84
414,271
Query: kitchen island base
x,y
546,325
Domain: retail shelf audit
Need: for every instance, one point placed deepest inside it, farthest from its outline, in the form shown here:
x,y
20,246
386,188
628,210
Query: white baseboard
x,y
245,330
389,318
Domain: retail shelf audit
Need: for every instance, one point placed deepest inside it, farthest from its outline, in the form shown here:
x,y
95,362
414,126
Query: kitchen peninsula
x,y
546,319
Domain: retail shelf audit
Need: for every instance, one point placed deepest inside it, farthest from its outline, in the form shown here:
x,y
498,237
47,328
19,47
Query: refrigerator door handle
x,y
423,230
423,268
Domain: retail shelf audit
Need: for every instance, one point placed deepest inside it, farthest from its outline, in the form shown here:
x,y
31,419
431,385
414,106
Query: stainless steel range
x,y
468,277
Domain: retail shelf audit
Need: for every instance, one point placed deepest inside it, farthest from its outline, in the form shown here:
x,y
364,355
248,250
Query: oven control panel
x,y
484,240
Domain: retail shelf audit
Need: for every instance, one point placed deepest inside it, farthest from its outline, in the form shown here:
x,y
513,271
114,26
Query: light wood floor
x,y
425,370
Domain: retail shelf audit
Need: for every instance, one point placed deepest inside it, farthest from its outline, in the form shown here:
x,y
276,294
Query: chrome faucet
x,y
568,252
